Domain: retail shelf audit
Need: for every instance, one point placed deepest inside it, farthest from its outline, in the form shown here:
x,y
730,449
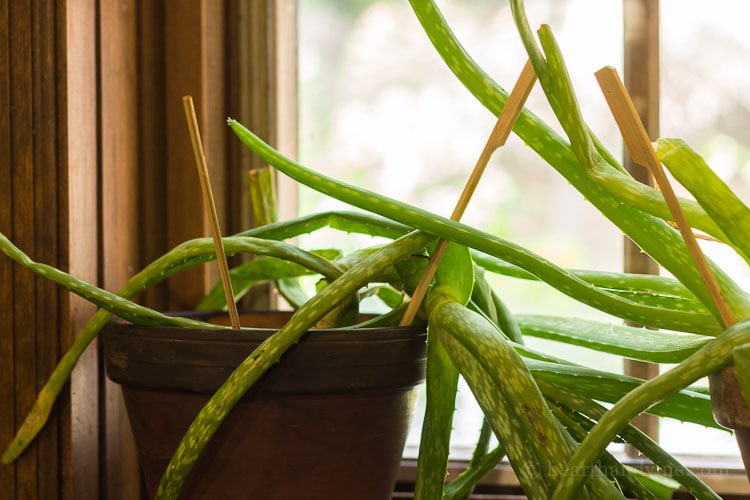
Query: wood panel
x,y
152,150
7,281
120,200
34,212
641,78
194,61
97,177
48,225
79,188
263,67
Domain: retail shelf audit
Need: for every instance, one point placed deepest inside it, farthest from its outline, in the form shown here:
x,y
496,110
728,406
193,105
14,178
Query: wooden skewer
x,y
208,197
638,143
497,138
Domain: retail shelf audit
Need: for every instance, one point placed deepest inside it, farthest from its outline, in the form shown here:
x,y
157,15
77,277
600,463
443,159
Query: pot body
x,y
730,409
328,421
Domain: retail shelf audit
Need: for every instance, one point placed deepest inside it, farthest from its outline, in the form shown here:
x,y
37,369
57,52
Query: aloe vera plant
x,y
545,412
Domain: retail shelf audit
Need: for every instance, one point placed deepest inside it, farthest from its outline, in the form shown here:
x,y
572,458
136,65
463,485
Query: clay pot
x,y
328,421
730,409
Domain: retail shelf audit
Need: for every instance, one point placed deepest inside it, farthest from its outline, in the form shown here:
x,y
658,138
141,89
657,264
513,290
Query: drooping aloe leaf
x,y
533,440
684,405
653,235
584,405
712,357
183,256
506,426
656,237
636,343
473,238
718,199
461,487
104,299
577,426
493,307
455,275
434,445
659,291
265,269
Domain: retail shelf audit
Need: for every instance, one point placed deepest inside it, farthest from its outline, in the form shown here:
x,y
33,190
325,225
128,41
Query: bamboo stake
x,y
497,138
208,198
639,145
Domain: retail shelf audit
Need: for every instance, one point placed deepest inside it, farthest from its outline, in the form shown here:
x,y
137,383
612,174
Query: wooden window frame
x,y
97,178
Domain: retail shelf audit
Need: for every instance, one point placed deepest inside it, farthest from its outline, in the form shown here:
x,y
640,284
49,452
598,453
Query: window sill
x,y
725,475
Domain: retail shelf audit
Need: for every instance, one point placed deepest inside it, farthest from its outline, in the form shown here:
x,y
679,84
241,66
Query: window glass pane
x,y
704,100
380,109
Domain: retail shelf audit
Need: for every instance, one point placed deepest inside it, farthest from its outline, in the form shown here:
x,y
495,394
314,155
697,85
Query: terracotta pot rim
x,y
196,360
221,317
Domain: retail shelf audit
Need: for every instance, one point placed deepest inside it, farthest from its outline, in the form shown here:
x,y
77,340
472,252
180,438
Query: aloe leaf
x,y
713,194
497,377
657,291
263,201
684,405
113,303
636,343
259,270
611,467
505,424
579,403
185,255
516,383
712,357
390,297
661,486
434,446
657,238
455,275
653,235
604,173
445,318
346,221
461,487
473,238
494,308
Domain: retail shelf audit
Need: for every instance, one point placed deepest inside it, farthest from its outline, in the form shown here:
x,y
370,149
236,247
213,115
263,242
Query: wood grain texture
x,y
88,152
47,227
262,66
31,214
152,151
23,220
80,249
641,78
185,75
7,376
120,201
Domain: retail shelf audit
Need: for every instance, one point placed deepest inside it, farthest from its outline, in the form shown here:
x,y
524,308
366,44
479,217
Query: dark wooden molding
x,y
40,212
97,177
